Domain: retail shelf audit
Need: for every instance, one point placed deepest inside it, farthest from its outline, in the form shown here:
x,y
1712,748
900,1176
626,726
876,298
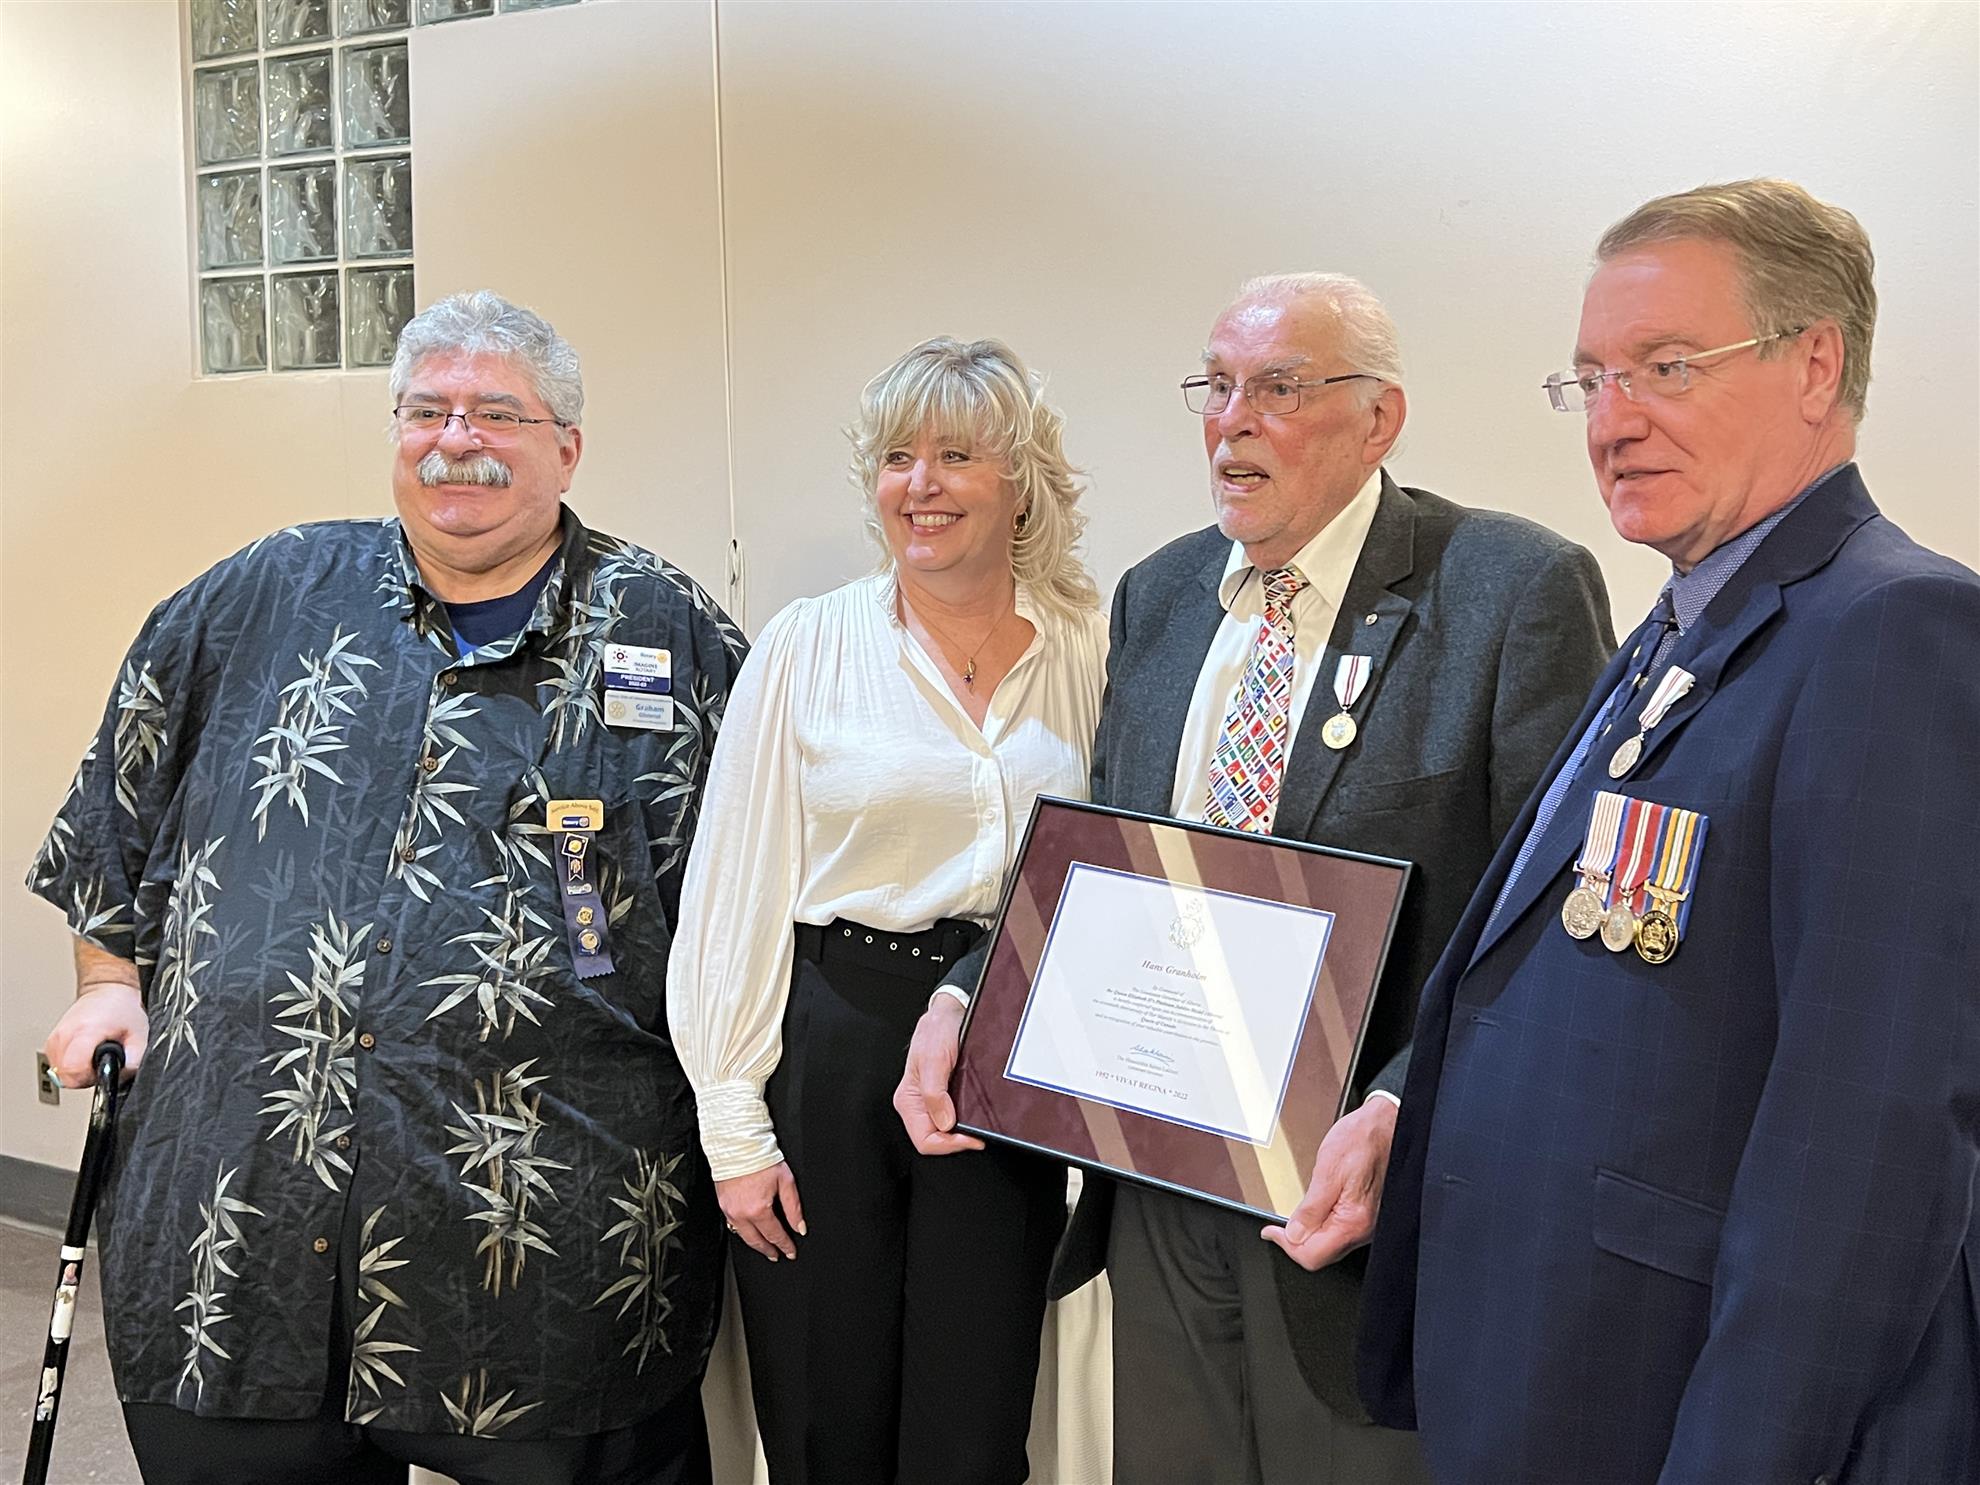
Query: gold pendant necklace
x,y
969,655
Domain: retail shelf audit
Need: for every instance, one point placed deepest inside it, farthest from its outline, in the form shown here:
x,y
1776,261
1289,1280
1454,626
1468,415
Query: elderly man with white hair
x,y
1477,635
372,869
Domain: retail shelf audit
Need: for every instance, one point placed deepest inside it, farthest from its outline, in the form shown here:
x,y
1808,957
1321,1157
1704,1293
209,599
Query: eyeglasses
x,y
1269,392
489,422
1578,391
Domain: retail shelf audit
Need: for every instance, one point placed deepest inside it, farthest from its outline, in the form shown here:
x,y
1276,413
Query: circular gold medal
x,y
1581,914
1626,756
1618,928
585,915
1656,936
588,941
1339,731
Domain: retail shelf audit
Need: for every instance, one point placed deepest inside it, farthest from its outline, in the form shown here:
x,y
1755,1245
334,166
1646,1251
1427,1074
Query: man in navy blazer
x,y
1699,1206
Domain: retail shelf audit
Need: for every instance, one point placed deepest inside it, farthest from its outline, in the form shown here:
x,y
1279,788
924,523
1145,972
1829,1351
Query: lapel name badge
x,y
640,711
638,685
640,668
564,815
1351,674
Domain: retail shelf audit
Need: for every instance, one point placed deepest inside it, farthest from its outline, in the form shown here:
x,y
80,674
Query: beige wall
x,y
605,136
121,475
1086,181
1090,182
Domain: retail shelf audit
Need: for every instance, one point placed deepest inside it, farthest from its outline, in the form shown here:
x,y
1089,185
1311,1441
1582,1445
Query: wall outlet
x,y
45,1086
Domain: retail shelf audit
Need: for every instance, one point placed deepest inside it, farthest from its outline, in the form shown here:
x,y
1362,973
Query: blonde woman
x,y
882,748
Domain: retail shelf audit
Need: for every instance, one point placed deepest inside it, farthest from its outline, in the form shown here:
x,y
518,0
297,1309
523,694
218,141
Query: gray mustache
x,y
478,469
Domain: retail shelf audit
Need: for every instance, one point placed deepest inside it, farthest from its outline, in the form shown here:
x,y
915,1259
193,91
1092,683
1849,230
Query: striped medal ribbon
x,y
1661,928
1670,690
1581,914
1641,825
1350,680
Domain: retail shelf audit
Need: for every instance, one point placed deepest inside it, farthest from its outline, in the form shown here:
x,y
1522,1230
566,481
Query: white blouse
x,y
848,782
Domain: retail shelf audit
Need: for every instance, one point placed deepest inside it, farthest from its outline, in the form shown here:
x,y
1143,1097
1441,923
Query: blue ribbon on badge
x,y
584,909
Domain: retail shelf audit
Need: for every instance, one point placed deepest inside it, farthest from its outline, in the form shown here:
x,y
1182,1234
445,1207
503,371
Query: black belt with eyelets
x,y
925,956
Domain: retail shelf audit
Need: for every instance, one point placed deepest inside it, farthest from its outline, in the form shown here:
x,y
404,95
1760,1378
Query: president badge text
x,y
639,685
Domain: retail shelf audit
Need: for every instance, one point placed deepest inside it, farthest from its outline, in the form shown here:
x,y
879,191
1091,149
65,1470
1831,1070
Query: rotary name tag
x,y
575,814
638,668
638,686
636,709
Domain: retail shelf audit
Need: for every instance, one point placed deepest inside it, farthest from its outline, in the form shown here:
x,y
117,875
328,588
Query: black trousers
x,y
177,1448
902,1345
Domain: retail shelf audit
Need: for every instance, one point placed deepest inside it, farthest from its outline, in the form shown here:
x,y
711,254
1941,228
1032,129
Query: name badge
x,y
575,814
635,709
638,668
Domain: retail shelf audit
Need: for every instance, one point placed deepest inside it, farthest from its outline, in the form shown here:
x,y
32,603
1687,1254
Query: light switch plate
x,y
45,1086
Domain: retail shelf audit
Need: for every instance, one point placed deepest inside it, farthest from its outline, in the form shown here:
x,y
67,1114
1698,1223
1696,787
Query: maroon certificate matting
x,y
1175,1004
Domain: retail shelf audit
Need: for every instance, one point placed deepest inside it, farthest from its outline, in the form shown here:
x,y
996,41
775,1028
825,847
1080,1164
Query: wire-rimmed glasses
x,y
491,423
1580,389
1274,392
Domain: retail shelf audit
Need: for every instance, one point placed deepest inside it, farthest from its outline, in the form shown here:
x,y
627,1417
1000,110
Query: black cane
x,y
97,1149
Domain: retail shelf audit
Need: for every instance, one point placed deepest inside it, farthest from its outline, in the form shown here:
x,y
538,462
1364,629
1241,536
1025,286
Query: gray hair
x,y
1368,335
1800,260
980,392
483,323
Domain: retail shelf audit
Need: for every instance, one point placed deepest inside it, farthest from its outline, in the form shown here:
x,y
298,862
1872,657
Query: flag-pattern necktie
x,y
1250,762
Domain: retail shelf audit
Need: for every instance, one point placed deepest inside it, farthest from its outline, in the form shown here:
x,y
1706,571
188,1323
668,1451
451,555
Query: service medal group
x,y
1637,869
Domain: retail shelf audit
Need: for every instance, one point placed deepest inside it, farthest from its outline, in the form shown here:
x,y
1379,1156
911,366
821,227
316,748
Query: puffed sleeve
x,y
729,973
681,784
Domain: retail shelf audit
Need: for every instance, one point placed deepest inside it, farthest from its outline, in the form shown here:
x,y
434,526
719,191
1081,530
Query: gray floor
x,y
90,1443
90,1446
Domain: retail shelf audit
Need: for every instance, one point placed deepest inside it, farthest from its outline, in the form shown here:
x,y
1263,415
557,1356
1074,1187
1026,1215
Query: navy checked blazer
x,y
1715,1220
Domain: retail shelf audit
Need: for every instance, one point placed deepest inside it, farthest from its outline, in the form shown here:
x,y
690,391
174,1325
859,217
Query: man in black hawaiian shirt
x,y
408,1172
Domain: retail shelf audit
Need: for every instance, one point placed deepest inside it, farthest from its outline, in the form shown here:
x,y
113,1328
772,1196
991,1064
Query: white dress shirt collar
x,y
1327,561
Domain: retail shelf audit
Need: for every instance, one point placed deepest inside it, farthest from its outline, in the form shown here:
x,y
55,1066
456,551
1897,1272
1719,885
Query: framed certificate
x,y
1175,1004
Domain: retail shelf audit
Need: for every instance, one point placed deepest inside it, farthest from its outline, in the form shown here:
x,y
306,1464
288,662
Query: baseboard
x,y
35,1193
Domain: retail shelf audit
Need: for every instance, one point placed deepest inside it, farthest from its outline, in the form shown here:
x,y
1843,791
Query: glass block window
x,y
303,177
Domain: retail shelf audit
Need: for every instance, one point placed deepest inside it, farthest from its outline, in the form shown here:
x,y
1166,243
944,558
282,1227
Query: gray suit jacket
x,y
1486,632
